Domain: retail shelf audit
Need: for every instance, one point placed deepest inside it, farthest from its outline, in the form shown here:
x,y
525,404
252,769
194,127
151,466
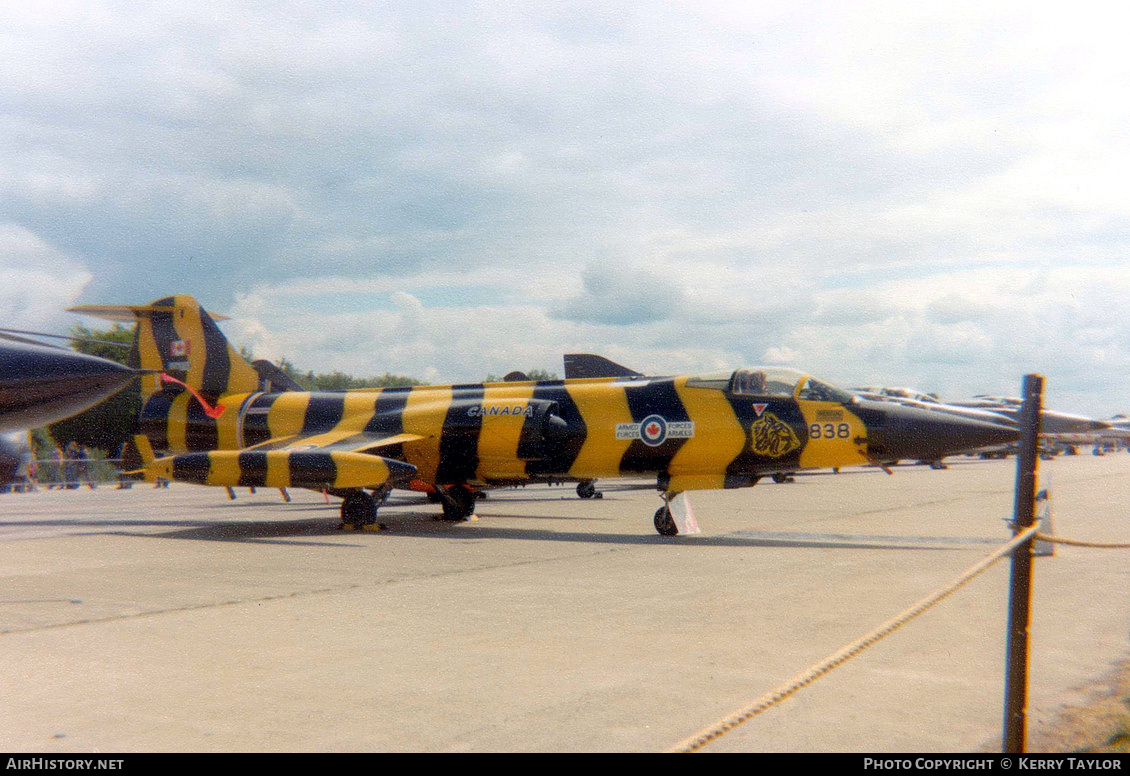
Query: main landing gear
x,y
587,489
359,507
458,503
359,510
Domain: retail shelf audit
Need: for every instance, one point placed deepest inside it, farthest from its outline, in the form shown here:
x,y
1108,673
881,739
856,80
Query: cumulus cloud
x,y
780,355
622,295
39,280
873,191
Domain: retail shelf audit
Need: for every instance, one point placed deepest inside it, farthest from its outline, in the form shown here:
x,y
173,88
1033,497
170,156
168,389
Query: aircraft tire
x,y
664,523
586,489
458,503
358,508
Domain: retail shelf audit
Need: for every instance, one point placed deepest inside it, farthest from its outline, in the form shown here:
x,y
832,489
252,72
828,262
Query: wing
x,y
336,441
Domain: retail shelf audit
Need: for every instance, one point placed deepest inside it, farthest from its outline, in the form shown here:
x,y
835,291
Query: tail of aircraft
x,y
177,337
191,366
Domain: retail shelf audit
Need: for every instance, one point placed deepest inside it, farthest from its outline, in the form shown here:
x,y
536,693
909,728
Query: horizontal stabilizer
x,y
129,313
280,469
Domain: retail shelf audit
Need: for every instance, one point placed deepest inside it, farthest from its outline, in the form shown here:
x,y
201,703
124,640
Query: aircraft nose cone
x,y
1061,423
1052,422
896,432
41,384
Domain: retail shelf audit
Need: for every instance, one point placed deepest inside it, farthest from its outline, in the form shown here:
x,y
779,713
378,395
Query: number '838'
x,y
829,431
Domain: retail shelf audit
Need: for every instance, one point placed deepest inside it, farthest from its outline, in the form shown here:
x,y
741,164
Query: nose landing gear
x,y
675,516
664,523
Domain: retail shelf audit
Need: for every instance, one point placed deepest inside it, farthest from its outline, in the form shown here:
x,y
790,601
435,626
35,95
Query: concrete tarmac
x,y
177,620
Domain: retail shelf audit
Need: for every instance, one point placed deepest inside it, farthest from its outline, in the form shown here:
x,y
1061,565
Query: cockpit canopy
x,y
771,382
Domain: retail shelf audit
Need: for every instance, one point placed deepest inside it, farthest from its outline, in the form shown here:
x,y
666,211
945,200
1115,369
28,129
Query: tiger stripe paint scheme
x,y
281,468
215,425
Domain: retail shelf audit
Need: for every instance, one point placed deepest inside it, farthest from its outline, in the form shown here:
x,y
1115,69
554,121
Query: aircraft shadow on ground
x,y
409,517
425,526
491,533
272,532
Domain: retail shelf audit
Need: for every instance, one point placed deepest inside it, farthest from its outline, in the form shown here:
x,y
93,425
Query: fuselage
x,y
691,432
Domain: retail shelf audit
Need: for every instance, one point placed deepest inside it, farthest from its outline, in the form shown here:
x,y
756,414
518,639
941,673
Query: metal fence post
x,y
1020,586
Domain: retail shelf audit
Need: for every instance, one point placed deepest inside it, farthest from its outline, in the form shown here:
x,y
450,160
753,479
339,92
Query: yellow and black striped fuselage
x,y
686,436
210,416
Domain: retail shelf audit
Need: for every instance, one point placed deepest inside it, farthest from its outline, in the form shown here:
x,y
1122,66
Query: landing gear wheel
x,y
358,509
458,503
587,489
664,523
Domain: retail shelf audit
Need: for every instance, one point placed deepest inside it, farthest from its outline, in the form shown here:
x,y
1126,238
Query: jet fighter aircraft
x,y
41,384
207,413
910,397
1060,429
1057,429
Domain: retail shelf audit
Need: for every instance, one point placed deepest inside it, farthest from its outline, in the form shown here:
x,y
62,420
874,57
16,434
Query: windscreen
x,y
765,381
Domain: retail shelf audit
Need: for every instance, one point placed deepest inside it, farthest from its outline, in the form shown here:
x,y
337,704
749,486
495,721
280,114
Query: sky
x,y
879,193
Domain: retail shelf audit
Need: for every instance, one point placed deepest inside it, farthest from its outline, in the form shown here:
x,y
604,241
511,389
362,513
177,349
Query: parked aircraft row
x,y
1058,430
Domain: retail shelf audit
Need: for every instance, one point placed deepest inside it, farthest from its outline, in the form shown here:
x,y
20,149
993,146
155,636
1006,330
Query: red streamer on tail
x,y
212,411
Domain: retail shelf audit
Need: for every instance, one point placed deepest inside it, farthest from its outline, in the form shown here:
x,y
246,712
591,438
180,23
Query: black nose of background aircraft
x,y
896,432
40,384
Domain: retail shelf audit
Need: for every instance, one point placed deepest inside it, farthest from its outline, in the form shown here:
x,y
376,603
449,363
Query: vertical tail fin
x,y
175,335
192,366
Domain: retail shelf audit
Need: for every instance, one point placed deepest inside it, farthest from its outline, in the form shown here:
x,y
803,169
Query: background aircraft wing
x,y
587,365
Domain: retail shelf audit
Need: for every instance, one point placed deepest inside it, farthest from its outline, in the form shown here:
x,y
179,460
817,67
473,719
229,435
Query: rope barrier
x,y
810,675
1081,543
